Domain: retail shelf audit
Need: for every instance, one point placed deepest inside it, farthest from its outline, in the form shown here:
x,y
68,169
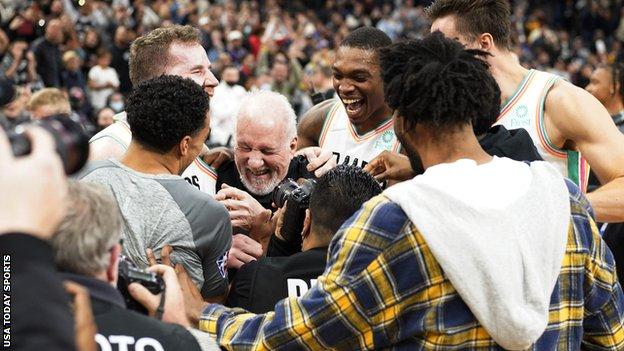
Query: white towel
x,y
499,232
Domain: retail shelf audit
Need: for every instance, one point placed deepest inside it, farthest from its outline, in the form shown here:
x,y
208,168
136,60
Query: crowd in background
x,y
82,46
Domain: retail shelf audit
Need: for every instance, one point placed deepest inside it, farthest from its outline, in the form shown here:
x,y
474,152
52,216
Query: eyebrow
x,y
354,72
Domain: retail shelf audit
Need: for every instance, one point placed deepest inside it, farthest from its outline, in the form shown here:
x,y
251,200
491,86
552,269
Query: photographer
x,y
338,194
87,251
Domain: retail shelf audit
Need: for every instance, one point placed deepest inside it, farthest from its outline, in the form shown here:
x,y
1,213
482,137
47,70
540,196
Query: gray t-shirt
x,y
164,209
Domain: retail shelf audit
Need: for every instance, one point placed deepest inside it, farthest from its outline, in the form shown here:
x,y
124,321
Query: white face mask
x,y
117,106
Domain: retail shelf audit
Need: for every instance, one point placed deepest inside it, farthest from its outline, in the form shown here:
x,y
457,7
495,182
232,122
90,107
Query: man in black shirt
x,y
266,140
48,54
338,194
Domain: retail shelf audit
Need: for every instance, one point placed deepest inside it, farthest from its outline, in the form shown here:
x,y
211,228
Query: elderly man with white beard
x,y
265,146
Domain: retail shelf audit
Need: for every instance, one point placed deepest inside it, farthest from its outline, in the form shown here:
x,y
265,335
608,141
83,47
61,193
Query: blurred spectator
x,y
224,106
235,48
115,102
19,64
104,118
48,102
48,54
121,57
72,75
13,112
103,80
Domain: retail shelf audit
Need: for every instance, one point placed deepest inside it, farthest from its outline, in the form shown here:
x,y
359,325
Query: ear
x,y
399,123
184,145
305,232
293,144
113,264
485,42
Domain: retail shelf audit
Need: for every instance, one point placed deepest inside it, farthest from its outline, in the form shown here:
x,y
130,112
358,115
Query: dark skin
x,y
356,77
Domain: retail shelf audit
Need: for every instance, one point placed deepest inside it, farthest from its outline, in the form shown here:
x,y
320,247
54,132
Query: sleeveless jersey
x,y
198,173
340,136
525,109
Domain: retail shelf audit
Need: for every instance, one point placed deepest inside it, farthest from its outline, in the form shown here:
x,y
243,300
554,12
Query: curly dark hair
x,y
163,110
436,82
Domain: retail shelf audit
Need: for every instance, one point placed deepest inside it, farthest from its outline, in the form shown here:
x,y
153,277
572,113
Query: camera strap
x,y
161,306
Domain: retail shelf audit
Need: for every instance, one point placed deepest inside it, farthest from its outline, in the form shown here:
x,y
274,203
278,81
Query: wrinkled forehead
x,y
265,130
352,59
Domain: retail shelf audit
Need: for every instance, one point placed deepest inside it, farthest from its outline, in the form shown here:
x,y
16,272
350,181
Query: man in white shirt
x,y
224,106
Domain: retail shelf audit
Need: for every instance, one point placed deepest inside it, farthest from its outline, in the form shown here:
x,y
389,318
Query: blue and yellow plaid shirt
x,y
382,288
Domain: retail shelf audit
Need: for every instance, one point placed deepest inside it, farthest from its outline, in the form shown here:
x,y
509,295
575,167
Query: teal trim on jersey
x,y
518,89
574,166
209,167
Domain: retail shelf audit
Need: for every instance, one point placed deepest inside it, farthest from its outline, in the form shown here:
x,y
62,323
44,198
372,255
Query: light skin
x,y
567,112
188,60
602,88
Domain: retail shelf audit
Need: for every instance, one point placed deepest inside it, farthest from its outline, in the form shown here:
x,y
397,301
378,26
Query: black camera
x,y
129,273
297,199
72,143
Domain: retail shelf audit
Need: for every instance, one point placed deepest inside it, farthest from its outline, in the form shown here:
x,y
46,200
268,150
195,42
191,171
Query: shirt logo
x,y
385,141
520,117
221,263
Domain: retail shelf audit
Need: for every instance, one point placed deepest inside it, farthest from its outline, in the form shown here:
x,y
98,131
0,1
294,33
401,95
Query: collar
x,y
97,289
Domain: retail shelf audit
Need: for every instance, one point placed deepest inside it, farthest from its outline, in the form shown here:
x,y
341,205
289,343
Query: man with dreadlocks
x,y
517,264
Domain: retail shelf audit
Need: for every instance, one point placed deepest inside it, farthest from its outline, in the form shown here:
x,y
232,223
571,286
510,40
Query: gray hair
x,y
90,229
265,103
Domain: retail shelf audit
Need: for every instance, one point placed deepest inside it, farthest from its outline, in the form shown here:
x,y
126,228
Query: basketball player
x,y
357,126
174,50
606,85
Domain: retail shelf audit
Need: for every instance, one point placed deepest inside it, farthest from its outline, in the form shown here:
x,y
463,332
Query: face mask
x,y
117,106
231,84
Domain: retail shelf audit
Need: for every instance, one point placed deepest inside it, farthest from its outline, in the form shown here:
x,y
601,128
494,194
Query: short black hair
x,y
366,38
436,82
338,194
163,110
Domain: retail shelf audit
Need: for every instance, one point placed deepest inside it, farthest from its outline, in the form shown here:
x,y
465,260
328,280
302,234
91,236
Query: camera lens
x,y
72,143
282,192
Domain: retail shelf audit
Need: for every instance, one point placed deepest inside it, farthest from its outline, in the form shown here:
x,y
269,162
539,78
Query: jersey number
x,y
193,181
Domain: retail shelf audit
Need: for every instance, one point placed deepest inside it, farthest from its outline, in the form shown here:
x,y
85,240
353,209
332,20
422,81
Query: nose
x,y
255,162
210,82
345,87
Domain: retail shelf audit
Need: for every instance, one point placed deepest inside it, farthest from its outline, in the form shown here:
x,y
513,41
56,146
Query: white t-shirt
x,y
224,107
101,76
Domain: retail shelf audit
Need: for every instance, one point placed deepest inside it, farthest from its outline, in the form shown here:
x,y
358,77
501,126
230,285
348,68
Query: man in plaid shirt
x,y
477,253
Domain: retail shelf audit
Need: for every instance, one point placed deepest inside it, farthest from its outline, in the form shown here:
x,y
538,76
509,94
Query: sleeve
x,y
38,305
214,252
242,286
334,313
114,78
278,247
604,304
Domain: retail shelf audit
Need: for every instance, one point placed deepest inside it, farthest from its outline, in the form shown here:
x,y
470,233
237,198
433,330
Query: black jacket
x,y
33,297
116,325
259,285
515,144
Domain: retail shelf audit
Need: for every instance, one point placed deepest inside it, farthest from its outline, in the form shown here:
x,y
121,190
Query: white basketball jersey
x,y
340,137
198,173
525,109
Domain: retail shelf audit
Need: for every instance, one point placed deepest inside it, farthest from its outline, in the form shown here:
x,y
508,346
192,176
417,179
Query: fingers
x,y
144,297
228,192
42,143
331,163
236,259
247,245
165,255
151,259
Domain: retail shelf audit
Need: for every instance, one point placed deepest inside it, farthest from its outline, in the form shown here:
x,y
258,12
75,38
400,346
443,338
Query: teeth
x,y
350,101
